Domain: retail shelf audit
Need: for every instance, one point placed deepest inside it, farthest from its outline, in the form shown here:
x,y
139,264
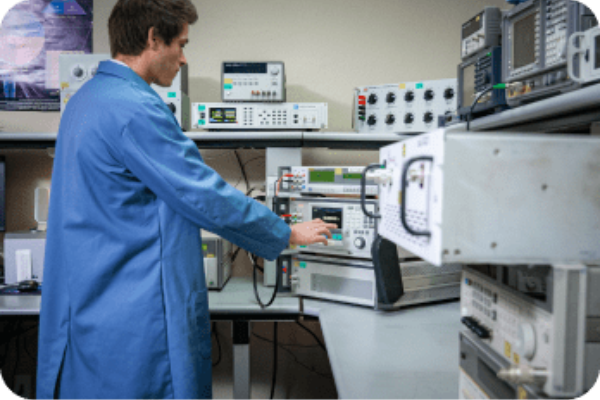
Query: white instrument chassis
x,y
325,180
259,116
410,107
492,198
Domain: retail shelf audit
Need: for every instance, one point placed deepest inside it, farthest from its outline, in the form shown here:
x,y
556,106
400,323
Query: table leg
x,y
241,359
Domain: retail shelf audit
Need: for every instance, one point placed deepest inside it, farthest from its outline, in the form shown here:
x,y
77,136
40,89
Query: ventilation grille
x,y
415,219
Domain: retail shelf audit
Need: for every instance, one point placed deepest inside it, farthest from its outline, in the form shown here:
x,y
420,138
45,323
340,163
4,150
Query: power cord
x,y
253,159
214,331
244,174
274,359
296,360
255,265
254,261
262,305
235,254
321,344
242,169
502,86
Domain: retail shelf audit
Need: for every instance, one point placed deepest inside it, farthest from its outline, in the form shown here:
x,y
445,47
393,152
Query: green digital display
x,y
352,176
322,176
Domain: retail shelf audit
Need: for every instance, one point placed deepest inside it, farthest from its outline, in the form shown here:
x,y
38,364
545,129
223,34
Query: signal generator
x,y
253,82
259,116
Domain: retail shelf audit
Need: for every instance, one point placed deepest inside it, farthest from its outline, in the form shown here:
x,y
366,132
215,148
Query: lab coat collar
x,y
124,72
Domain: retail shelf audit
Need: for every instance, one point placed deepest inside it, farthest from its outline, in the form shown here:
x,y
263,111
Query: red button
x,y
362,103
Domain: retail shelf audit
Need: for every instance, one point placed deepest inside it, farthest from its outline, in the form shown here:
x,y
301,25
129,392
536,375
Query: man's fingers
x,y
321,230
331,226
324,231
320,239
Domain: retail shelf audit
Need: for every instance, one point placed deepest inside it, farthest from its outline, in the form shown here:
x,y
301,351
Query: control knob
x,y
526,340
428,117
275,71
409,96
360,243
409,118
429,95
78,72
391,97
372,99
449,93
172,107
372,120
390,119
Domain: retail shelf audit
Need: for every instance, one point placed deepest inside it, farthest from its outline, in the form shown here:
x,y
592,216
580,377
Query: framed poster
x,y
32,35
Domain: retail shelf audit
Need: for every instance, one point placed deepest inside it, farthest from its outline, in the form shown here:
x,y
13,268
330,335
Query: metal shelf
x,y
235,140
27,140
351,140
569,112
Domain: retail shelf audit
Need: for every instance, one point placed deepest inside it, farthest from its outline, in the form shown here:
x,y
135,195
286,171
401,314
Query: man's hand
x,y
311,232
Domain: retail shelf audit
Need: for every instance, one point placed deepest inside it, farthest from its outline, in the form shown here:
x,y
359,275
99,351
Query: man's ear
x,y
152,39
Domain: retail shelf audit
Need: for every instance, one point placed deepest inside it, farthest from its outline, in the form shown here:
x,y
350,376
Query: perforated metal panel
x,y
391,223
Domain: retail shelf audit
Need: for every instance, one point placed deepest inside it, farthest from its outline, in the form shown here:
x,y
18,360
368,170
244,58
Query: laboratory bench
x,y
407,353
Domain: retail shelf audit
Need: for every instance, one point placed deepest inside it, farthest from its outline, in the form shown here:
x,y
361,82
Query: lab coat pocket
x,y
199,320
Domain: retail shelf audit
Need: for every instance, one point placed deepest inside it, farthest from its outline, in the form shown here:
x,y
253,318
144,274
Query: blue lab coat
x,y
124,306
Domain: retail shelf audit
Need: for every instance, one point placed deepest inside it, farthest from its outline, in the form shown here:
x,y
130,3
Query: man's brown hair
x,y
130,21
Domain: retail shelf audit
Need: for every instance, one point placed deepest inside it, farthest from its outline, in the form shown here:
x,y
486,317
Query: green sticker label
x,y
172,94
201,107
303,265
202,122
419,86
228,87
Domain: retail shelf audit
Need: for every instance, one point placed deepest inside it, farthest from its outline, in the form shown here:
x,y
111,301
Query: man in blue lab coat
x,y
124,306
